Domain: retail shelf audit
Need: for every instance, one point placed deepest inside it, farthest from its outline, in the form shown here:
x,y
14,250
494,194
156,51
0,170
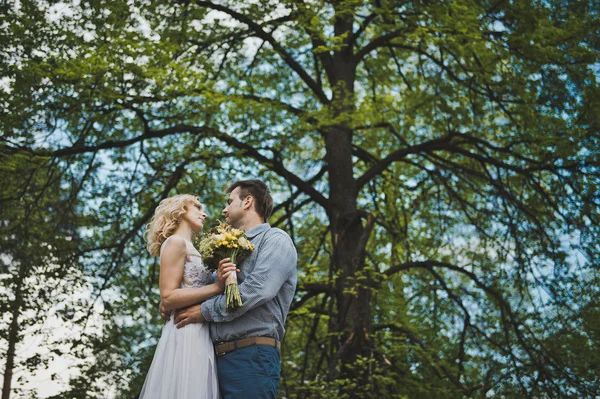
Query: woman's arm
x,y
172,261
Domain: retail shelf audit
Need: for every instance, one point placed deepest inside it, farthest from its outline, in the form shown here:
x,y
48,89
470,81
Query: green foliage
x,y
464,131
38,264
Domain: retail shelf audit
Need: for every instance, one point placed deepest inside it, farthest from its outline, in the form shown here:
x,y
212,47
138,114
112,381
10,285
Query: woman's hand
x,y
164,313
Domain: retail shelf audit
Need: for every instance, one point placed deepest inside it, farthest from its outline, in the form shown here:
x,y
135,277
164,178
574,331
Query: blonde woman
x,y
184,365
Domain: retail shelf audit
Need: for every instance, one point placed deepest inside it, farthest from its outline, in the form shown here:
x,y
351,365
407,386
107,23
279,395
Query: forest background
x,y
435,162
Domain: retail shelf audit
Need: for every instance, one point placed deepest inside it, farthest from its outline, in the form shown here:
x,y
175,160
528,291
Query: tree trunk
x,y
350,327
13,337
349,236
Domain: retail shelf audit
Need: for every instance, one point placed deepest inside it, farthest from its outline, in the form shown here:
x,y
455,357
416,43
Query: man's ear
x,y
248,202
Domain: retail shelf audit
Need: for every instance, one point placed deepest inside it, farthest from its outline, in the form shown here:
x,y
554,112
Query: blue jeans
x,y
249,373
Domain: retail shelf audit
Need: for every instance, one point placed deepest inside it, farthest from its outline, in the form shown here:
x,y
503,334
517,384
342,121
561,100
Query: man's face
x,y
234,211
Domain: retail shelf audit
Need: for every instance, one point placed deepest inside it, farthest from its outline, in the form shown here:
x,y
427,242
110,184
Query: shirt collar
x,y
261,228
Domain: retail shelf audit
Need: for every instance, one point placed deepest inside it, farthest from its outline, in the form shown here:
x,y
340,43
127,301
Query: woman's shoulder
x,y
174,243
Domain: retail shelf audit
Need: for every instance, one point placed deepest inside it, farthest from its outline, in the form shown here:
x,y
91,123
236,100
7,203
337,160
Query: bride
x,y
184,365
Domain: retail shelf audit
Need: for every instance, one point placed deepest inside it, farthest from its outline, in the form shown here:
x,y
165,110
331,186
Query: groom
x,y
247,341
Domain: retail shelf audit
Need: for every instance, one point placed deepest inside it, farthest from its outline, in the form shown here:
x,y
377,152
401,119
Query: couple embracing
x,y
204,351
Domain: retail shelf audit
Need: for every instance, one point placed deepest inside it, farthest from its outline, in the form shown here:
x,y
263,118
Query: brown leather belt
x,y
225,347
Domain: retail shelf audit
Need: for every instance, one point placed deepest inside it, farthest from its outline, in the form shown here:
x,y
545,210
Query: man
x,y
247,341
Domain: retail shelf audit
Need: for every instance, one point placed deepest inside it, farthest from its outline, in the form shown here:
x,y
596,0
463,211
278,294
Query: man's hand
x,y
224,271
164,314
191,314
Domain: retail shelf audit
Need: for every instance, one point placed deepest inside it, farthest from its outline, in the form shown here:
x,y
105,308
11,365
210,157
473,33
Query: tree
x,y
436,164
38,269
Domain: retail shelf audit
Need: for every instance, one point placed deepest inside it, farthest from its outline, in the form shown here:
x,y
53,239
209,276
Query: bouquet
x,y
223,241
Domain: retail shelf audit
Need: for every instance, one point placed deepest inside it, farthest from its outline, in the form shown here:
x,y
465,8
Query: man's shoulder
x,y
277,232
280,243
278,235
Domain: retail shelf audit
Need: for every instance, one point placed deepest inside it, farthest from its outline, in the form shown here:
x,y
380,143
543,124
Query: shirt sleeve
x,y
275,262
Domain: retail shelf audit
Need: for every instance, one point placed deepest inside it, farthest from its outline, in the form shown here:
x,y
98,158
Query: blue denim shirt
x,y
267,285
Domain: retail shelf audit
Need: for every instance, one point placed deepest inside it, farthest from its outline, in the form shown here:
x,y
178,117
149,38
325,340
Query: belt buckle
x,y
217,351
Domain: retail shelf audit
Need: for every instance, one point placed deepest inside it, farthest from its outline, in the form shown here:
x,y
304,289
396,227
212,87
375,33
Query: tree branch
x,y
274,165
260,32
277,166
295,195
379,41
428,146
111,144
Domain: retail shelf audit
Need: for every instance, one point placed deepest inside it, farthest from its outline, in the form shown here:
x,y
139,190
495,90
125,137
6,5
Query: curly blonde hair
x,y
166,219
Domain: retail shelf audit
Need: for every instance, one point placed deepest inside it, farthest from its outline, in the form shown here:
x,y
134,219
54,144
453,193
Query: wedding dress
x,y
184,365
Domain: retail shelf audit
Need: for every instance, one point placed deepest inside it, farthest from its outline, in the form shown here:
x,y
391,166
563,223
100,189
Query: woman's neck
x,y
184,230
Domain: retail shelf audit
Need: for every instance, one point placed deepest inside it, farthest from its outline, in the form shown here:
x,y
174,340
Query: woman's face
x,y
195,215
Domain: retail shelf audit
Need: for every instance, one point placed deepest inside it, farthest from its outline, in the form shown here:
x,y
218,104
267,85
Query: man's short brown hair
x,y
263,202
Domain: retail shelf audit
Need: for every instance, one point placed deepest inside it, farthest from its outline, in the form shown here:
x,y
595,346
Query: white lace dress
x,y
184,365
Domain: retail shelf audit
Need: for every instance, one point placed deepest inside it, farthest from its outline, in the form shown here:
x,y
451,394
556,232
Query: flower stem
x,y
233,299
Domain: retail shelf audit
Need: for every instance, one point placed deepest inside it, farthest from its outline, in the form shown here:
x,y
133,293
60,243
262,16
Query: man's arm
x,y
274,263
191,314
